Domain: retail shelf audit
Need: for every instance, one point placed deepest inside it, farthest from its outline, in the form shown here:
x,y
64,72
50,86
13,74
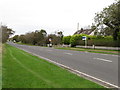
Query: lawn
x,y
23,70
115,52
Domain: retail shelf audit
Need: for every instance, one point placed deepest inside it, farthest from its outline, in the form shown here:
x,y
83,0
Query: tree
x,y
109,18
36,38
55,39
29,38
60,36
16,38
43,32
6,33
108,31
40,37
93,27
22,38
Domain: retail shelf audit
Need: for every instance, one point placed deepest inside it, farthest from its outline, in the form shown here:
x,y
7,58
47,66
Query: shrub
x,y
75,39
66,40
92,40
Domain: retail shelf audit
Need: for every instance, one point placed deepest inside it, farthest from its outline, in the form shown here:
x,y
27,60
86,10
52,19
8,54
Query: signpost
x,y
85,39
50,39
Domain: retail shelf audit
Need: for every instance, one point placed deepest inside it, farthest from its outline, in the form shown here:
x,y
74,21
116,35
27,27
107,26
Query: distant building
x,y
85,31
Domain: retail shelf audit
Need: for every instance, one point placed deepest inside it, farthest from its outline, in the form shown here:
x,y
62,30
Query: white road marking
x,y
116,55
69,53
103,59
111,55
107,54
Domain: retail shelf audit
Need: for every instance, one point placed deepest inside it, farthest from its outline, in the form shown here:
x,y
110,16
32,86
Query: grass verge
x,y
114,52
23,70
25,44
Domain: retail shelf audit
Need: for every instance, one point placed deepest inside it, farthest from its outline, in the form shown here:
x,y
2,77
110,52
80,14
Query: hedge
x,y
75,39
66,40
91,40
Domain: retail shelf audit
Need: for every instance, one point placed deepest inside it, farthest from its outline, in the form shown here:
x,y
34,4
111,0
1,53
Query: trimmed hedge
x,y
91,40
75,39
66,40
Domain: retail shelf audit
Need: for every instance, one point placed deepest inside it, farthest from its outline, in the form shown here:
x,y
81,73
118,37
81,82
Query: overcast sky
x,y
52,15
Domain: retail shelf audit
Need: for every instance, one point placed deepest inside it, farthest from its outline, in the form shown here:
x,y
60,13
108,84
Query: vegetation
x,y
75,39
108,20
66,40
106,27
114,52
92,40
39,37
33,72
6,32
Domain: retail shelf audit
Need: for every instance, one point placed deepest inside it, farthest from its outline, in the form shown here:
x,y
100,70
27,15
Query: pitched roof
x,y
86,31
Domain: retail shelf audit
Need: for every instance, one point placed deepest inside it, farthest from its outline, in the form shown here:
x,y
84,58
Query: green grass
x,y
114,52
25,44
103,51
23,70
28,44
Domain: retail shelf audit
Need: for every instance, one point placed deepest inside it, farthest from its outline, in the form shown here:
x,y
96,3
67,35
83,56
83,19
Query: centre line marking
x,y
69,53
103,59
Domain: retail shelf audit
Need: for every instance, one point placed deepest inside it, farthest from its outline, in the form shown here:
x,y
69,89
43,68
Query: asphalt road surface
x,y
102,66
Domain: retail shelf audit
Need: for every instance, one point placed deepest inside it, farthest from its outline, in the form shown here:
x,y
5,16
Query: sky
x,y
51,15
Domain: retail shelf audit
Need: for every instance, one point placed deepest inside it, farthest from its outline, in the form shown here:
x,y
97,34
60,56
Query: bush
x,y
93,40
75,39
119,36
66,40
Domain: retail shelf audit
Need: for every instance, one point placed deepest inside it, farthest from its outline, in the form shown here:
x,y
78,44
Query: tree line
x,y
39,37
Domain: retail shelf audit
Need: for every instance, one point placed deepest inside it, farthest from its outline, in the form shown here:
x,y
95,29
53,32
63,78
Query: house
x,y
85,31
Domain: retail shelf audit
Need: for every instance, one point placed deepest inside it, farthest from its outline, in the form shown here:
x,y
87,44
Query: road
x,y
101,66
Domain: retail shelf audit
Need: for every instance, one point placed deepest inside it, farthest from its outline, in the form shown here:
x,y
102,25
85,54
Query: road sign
x,y
50,39
84,37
